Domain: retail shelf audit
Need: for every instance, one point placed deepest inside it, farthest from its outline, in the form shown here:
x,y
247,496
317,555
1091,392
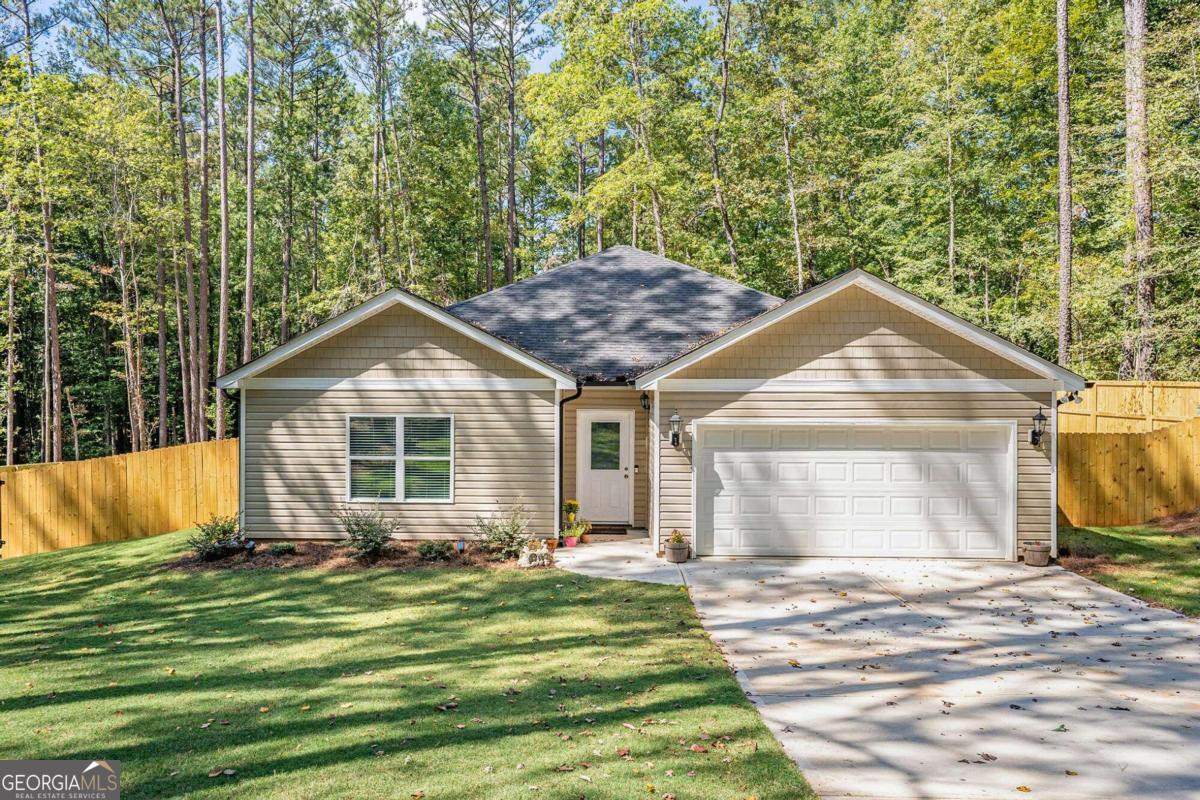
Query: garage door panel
x,y
856,491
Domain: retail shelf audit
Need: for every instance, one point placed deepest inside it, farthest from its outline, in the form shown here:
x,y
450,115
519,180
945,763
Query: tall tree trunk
x,y
223,160
1137,158
160,302
714,139
185,373
642,137
191,365
481,164
74,423
289,217
248,298
581,229
601,155
52,361
10,373
510,164
1064,185
791,187
203,367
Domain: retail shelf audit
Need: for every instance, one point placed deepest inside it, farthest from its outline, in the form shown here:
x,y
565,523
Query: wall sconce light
x,y
645,401
1039,427
676,427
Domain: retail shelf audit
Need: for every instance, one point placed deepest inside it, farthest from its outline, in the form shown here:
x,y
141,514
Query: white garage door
x,y
943,491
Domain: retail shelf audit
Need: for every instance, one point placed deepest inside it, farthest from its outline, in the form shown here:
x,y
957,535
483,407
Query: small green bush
x,y
503,535
282,549
219,537
368,529
435,550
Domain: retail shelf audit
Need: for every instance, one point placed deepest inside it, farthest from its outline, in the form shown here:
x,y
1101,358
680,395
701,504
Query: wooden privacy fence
x,y
53,506
1130,407
1128,478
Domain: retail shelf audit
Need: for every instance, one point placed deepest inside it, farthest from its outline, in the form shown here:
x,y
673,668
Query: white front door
x,y
929,490
604,465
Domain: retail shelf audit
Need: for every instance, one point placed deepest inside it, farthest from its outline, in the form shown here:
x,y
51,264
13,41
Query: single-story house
x,y
853,419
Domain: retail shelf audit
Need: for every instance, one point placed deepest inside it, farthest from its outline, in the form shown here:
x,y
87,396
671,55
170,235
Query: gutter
x,y
578,391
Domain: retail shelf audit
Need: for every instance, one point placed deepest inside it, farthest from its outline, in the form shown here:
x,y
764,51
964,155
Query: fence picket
x,y
47,507
1128,478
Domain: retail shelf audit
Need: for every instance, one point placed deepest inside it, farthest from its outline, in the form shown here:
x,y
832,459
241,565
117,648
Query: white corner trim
x,y
242,400
789,386
392,297
655,473
403,384
1054,475
887,291
558,454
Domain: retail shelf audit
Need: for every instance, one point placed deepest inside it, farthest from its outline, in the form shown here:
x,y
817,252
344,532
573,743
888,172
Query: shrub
x,y
282,549
502,536
217,538
435,550
677,537
368,530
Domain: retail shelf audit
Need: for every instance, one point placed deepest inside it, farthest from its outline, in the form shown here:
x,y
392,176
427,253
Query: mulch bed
x,y
1185,524
400,555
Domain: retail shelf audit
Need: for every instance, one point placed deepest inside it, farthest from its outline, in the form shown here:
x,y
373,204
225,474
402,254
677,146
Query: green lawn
x,y
1156,565
320,684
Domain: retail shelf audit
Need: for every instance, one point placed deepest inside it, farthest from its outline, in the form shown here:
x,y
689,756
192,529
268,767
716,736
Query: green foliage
x,y
367,529
282,549
219,537
435,550
504,534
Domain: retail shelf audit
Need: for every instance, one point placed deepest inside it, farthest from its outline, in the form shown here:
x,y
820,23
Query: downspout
x,y
561,403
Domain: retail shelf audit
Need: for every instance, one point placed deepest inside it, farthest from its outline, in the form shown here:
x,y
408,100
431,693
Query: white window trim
x,y
400,460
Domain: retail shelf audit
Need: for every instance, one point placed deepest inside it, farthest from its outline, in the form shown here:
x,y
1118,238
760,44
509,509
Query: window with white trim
x,y
406,458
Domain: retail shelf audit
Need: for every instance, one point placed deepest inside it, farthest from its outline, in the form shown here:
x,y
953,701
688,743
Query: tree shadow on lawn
x,y
106,655
1161,567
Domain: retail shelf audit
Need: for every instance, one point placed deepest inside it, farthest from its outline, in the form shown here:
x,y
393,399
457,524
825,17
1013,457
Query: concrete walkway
x,y
629,559
949,680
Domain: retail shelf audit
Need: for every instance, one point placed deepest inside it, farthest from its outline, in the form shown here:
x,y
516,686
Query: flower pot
x,y
585,538
570,541
1037,554
571,517
677,552
551,543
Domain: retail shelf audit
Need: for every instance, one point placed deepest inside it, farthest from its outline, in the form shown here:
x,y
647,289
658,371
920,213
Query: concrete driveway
x,y
940,679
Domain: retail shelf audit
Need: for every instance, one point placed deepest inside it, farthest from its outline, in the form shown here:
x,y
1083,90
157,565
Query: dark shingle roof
x,y
614,315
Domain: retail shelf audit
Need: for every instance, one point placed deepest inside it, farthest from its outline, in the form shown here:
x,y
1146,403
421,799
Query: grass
x,y
320,683
1159,566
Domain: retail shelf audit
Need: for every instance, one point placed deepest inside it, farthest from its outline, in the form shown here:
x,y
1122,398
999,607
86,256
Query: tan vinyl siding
x,y
623,399
1034,471
855,334
295,458
400,343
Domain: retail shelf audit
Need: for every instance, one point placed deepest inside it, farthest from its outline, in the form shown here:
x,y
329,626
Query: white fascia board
x,y
788,386
909,302
402,384
232,380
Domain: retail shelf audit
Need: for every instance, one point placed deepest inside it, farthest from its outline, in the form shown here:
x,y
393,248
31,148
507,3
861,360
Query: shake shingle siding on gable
x,y
613,315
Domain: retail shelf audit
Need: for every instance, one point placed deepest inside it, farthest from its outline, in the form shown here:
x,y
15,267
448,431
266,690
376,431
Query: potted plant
x,y
552,543
585,531
570,535
571,508
676,547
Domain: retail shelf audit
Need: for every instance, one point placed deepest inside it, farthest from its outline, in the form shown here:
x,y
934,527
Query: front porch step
x,y
622,531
